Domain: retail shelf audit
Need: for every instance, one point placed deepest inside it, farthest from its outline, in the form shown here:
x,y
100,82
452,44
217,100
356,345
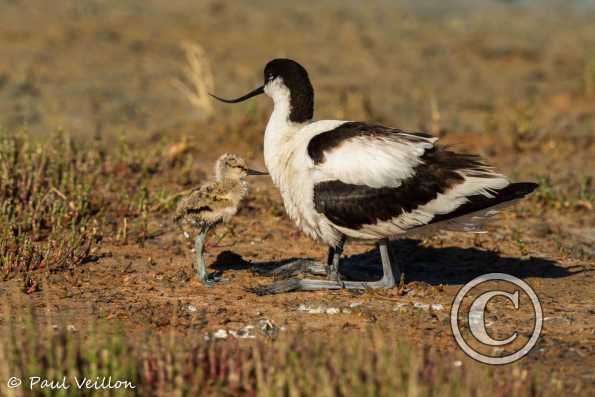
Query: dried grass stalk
x,y
199,79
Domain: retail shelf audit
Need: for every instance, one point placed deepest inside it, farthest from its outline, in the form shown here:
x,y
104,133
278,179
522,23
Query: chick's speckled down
x,y
209,204
216,201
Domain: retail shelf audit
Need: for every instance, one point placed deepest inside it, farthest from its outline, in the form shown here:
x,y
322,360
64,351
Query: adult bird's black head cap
x,y
287,74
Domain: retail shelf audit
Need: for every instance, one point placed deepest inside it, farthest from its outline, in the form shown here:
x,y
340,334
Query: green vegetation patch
x,y
46,204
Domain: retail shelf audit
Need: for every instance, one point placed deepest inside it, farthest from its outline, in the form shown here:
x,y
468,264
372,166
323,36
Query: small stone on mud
x,y
221,334
427,306
310,310
497,351
419,305
556,320
267,328
192,308
245,333
318,309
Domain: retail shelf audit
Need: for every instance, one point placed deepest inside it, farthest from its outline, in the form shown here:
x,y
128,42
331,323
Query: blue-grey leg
x,y
199,243
294,284
201,267
398,269
334,258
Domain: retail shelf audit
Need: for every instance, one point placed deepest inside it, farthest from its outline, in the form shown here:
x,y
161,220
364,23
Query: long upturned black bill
x,y
250,171
258,91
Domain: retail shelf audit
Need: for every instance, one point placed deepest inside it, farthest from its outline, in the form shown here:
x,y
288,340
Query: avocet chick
x,y
214,202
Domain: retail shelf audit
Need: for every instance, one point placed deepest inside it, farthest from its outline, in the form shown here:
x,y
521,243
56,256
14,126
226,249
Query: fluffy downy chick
x,y
214,202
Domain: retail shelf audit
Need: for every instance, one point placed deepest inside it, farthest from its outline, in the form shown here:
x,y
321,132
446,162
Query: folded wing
x,y
375,182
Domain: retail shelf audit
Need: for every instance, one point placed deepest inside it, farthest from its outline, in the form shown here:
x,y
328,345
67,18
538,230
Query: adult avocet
x,y
345,180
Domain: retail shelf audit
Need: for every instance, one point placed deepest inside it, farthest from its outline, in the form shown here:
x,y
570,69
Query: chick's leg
x,y
199,243
201,267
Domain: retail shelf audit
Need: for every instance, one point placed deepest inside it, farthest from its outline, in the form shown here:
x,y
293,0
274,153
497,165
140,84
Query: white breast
x,y
292,171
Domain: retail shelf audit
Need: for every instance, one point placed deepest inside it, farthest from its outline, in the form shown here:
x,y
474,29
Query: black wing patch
x,y
354,206
334,138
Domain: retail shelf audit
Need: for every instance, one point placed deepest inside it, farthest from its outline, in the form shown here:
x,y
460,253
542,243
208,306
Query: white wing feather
x,y
375,161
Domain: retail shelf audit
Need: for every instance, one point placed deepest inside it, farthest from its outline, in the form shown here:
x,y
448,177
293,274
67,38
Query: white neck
x,y
279,131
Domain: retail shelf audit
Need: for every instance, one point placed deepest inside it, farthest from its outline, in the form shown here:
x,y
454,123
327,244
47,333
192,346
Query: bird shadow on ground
x,y
433,265
229,260
453,265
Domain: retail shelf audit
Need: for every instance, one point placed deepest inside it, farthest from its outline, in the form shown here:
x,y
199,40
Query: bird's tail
x,y
478,210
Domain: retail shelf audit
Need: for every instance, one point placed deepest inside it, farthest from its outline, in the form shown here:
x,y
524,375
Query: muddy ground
x,y
512,81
